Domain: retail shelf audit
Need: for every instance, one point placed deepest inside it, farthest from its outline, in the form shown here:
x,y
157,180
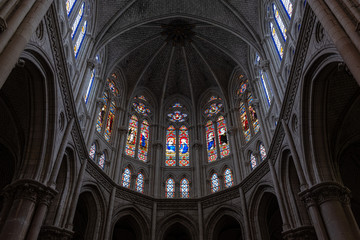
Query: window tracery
x,y
170,188
262,151
177,138
106,116
137,145
248,116
140,183
92,151
102,159
228,178
216,130
126,178
215,183
253,162
184,188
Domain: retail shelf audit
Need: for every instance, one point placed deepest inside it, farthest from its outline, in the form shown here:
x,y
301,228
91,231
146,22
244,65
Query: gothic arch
x,y
135,221
217,217
177,219
89,216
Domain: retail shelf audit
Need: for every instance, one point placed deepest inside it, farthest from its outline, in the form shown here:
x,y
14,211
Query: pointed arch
x,y
184,188
126,178
131,137
170,188
140,182
215,183
228,178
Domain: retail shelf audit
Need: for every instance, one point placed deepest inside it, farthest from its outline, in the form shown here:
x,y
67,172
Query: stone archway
x,y
227,228
177,231
127,228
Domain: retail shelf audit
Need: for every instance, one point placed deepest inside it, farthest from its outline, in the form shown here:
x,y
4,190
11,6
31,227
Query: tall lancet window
x,y
140,183
77,21
288,6
262,151
170,188
102,159
215,130
92,151
137,144
106,116
126,178
177,137
228,178
215,183
265,83
69,6
248,117
184,188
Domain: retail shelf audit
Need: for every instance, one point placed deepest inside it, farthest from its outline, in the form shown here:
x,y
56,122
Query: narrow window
x,y
215,185
170,188
184,188
126,177
228,178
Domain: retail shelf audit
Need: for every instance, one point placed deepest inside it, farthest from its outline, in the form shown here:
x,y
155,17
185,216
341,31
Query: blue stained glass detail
x,y
77,21
80,39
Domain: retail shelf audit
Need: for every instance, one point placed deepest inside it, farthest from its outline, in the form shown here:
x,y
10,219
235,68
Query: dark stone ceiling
x,y
177,47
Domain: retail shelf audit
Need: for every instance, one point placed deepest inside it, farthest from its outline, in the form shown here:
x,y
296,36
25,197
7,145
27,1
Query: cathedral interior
x,y
179,119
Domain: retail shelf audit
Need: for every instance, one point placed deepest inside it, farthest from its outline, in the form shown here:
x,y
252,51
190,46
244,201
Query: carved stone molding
x,y
300,233
30,190
55,233
323,192
3,25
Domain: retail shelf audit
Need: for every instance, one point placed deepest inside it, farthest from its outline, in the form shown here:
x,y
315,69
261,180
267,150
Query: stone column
x,y
122,131
7,201
44,200
21,26
196,161
26,194
109,214
343,43
332,200
200,216
153,221
157,146
233,145
245,214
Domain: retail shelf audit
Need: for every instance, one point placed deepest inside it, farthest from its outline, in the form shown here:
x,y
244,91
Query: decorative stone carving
x,y
323,192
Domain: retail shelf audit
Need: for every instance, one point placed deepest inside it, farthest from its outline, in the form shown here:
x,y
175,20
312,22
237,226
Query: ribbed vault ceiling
x,y
177,47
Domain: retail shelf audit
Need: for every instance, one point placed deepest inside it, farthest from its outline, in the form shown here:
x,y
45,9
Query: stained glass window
x,y
131,137
253,116
242,88
279,22
140,183
141,108
276,41
77,21
210,139
262,152
213,109
170,146
228,178
288,7
253,162
110,121
80,39
92,151
266,88
170,188
69,6
102,113
88,90
212,98
215,184
244,122
177,116
144,141
101,162
222,137
183,146
112,87
177,105
184,188
126,177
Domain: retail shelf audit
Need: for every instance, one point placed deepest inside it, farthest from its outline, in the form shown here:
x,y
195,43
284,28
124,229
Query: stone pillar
x,y
23,23
200,216
343,43
45,199
197,164
157,146
109,214
7,201
153,221
245,214
118,159
233,146
26,194
332,201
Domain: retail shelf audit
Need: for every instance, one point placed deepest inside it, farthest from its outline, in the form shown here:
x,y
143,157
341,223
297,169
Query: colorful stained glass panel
x,y
80,39
244,122
69,6
92,151
222,137
183,147
215,184
101,162
170,188
131,137
140,183
253,162
141,108
228,178
126,177
88,90
253,116
170,146
210,140
213,109
279,22
276,40
101,116
262,152
144,141
177,116
77,21
184,188
288,7
110,121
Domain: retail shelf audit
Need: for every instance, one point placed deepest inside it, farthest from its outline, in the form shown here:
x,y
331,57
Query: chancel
x,y
179,119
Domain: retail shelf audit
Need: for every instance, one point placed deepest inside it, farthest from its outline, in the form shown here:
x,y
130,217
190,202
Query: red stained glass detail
x,y
210,139
184,147
222,137
131,137
170,146
144,141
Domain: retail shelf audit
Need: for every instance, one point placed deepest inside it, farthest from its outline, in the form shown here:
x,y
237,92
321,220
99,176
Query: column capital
x,y
323,192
